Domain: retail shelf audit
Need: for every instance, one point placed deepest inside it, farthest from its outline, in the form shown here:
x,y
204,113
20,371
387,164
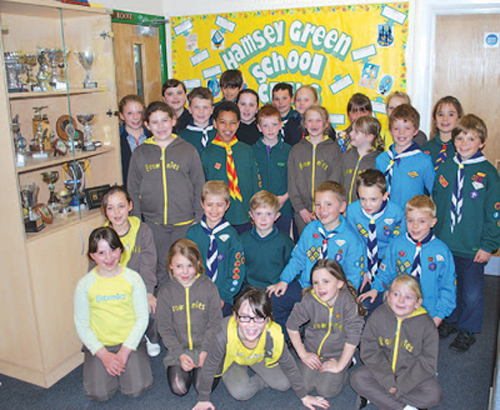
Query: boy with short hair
x,y
271,153
282,97
407,169
174,94
200,132
420,254
248,103
377,219
231,83
227,159
327,237
220,246
467,195
267,250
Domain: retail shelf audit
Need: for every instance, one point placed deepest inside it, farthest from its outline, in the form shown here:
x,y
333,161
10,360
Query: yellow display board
x,y
339,50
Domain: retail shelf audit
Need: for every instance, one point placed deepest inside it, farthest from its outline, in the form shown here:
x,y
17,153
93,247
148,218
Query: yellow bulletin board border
x,y
339,50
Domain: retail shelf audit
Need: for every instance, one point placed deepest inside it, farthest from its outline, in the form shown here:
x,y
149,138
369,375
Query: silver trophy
x,y
29,61
43,75
57,57
29,200
86,60
20,144
50,178
14,68
64,197
87,120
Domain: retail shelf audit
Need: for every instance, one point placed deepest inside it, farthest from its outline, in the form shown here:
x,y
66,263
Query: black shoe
x,y
463,342
361,402
445,329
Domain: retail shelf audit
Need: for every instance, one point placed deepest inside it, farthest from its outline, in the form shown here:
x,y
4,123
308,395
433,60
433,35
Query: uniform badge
x,y
474,194
338,257
389,221
477,185
217,165
496,215
444,183
382,267
432,267
402,254
224,237
440,258
413,174
497,206
340,242
431,259
315,236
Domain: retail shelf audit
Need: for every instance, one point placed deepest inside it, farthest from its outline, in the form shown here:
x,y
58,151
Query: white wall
x,y
145,6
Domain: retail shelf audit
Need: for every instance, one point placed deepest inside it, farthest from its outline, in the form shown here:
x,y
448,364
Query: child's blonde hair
x,y
264,199
471,123
311,89
410,282
216,188
324,115
421,203
398,94
334,269
442,101
370,126
334,187
189,250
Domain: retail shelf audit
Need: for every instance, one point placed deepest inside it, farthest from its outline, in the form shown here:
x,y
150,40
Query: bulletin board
x,y
339,50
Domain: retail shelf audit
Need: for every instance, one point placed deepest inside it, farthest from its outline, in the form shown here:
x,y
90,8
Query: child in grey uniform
x,y
334,320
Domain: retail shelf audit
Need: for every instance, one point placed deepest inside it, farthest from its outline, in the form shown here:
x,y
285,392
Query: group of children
x,y
247,249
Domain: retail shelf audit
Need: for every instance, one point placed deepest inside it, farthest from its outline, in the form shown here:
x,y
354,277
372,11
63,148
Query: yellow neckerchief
x,y
417,312
232,175
128,240
237,352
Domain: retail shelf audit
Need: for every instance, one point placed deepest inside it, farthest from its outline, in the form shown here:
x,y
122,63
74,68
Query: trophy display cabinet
x,y
58,79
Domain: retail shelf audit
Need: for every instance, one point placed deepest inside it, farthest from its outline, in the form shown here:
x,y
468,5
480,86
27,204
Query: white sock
x,y
409,407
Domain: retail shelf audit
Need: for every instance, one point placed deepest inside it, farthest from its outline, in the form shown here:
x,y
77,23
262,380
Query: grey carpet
x,y
465,378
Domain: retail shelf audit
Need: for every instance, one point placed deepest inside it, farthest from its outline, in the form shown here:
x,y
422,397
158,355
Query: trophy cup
x,y
43,75
50,178
29,199
76,184
29,61
19,142
87,120
14,68
64,197
86,60
41,130
57,58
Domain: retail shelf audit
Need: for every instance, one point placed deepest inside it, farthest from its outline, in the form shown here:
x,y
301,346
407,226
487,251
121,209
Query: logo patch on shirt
x,y
217,165
497,206
224,237
402,254
440,258
413,174
432,266
474,194
382,267
444,183
340,242
338,257
315,236
477,185
389,221
431,259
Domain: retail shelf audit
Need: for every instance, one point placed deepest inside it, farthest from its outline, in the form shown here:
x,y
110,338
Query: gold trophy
x,y
50,178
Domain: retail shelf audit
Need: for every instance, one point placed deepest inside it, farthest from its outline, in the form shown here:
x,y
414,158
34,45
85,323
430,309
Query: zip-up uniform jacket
x,y
328,328
433,147
216,356
188,318
165,184
400,353
352,166
309,166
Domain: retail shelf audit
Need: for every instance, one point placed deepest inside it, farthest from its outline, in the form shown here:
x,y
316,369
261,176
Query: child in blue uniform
x,y
420,254
467,195
407,169
327,237
377,219
219,244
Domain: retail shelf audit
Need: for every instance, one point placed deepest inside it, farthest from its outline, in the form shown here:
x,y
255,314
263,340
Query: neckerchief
x,y
416,268
232,176
212,254
413,149
204,131
457,199
372,245
326,237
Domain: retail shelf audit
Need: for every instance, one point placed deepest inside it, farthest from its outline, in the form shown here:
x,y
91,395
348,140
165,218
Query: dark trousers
x,y
283,305
468,315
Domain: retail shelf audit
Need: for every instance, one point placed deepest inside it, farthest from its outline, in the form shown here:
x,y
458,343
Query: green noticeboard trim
x,y
140,19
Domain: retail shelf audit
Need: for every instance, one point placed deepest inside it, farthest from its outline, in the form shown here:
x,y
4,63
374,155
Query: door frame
x,y
423,61
141,19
